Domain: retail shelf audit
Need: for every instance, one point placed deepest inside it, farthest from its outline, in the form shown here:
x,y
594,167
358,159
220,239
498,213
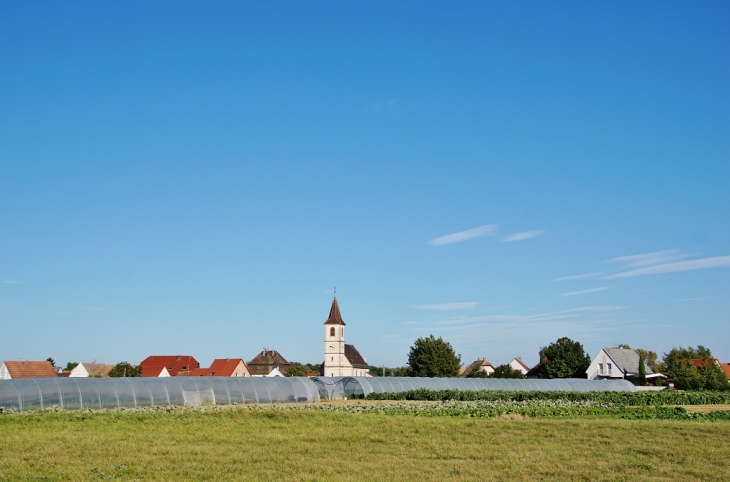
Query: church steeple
x,y
335,317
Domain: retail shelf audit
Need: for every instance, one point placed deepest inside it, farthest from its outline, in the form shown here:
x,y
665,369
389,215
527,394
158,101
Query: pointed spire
x,y
335,317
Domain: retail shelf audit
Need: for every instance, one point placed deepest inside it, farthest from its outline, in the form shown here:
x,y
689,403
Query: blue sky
x,y
195,178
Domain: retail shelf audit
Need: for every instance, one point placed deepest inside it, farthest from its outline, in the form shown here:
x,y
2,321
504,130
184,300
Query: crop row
x,y
665,397
455,408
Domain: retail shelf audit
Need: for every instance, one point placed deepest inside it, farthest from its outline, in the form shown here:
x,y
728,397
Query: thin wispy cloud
x,y
648,259
691,265
583,292
481,231
523,236
594,308
578,276
12,282
695,299
466,305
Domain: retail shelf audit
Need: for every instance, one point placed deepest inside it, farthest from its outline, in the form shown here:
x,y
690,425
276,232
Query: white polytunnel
x,y
100,393
109,393
341,387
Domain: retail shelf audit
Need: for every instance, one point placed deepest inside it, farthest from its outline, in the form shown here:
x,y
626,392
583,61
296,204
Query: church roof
x,y
354,357
335,317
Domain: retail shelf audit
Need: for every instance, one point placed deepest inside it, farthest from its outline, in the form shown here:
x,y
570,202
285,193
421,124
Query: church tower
x,y
335,362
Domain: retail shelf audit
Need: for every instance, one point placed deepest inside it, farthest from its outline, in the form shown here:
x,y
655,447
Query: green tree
x,y
125,369
71,365
300,369
642,371
433,357
564,359
681,370
651,359
389,372
506,371
712,376
296,370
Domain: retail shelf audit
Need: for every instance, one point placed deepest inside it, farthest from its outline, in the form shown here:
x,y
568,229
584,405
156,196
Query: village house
x,y
517,364
340,359
480,363
168,365
91,370
616,363
223,367
268,363
13,370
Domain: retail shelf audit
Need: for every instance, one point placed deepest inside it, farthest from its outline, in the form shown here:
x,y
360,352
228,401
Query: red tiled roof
x,y
335,317
698,362
30,369
726,368
221,367
152,365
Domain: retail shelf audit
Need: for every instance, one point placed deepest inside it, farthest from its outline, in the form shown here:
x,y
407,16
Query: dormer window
x,y
170,367
184,368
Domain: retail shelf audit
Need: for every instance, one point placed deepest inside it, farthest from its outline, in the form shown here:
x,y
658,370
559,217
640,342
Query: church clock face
x,y
332,347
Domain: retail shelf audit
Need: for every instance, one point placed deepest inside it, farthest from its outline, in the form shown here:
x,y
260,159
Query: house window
x,y
332,331
600,368
609,368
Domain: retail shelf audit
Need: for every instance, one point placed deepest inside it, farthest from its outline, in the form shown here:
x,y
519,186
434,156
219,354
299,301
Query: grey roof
x,y
627,360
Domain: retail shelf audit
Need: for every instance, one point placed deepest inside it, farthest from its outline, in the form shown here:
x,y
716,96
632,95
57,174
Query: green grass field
x,y
266,444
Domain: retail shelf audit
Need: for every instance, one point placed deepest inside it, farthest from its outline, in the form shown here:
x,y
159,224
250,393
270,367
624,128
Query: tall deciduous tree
x,y
564,358
433,357
680,369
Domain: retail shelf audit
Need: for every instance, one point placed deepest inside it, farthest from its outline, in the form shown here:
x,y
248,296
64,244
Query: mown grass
x,y
244,444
